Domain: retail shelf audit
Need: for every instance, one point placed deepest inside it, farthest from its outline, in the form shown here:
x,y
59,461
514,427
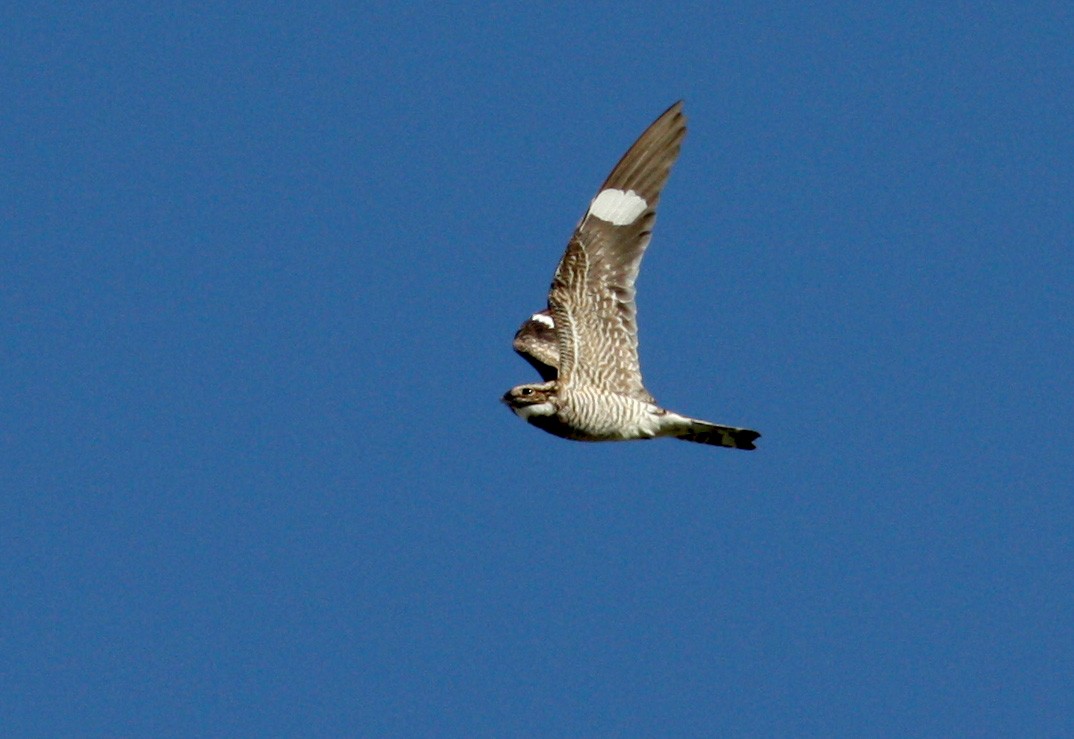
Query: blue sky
x,y
260,269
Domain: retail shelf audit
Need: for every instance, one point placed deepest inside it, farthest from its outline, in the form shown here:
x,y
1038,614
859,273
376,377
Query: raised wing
x,y
536,342
592,294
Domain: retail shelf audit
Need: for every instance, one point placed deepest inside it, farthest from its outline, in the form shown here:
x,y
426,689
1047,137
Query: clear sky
x,y
260,267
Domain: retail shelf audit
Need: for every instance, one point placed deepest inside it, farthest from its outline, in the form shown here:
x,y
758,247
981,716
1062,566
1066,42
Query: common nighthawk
x,y
585,345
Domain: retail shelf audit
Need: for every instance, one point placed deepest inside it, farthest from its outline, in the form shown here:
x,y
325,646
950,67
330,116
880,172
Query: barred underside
x,y
597,415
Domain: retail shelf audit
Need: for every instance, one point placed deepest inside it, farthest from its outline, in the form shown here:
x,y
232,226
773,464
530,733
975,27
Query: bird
x,y
584,345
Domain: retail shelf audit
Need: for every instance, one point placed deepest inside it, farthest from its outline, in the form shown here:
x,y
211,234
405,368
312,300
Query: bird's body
x,y
590,414
585,345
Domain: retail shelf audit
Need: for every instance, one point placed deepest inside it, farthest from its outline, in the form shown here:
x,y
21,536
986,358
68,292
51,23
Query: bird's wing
x,y
536,343
592,294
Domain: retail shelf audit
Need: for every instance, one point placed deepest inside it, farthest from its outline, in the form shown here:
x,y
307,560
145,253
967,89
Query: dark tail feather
x,y
703,432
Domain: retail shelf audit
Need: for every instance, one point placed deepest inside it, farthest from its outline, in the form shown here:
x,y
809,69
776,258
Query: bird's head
x,y
528,401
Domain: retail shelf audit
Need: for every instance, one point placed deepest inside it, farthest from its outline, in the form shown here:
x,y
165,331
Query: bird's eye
x,y
527,391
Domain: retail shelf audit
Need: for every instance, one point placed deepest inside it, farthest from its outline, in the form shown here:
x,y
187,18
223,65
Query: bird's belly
x,y
558,426
606,417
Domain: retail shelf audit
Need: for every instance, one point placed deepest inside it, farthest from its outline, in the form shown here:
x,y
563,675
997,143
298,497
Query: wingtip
x,y
674,111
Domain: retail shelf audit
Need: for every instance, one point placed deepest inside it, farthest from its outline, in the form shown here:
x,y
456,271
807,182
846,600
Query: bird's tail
x,y
703,432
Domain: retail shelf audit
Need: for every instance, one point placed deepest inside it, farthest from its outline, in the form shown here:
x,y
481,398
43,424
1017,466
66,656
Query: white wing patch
x,y
545,319
617,207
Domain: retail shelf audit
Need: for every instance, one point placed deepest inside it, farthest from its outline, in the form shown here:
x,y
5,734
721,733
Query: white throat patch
x,y
538,409
617,207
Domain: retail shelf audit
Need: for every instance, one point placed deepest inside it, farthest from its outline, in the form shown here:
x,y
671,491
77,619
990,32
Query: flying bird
x,y
585,344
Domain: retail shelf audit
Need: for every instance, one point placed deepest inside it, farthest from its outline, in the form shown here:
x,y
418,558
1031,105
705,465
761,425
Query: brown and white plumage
x,y
585,346
536,342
